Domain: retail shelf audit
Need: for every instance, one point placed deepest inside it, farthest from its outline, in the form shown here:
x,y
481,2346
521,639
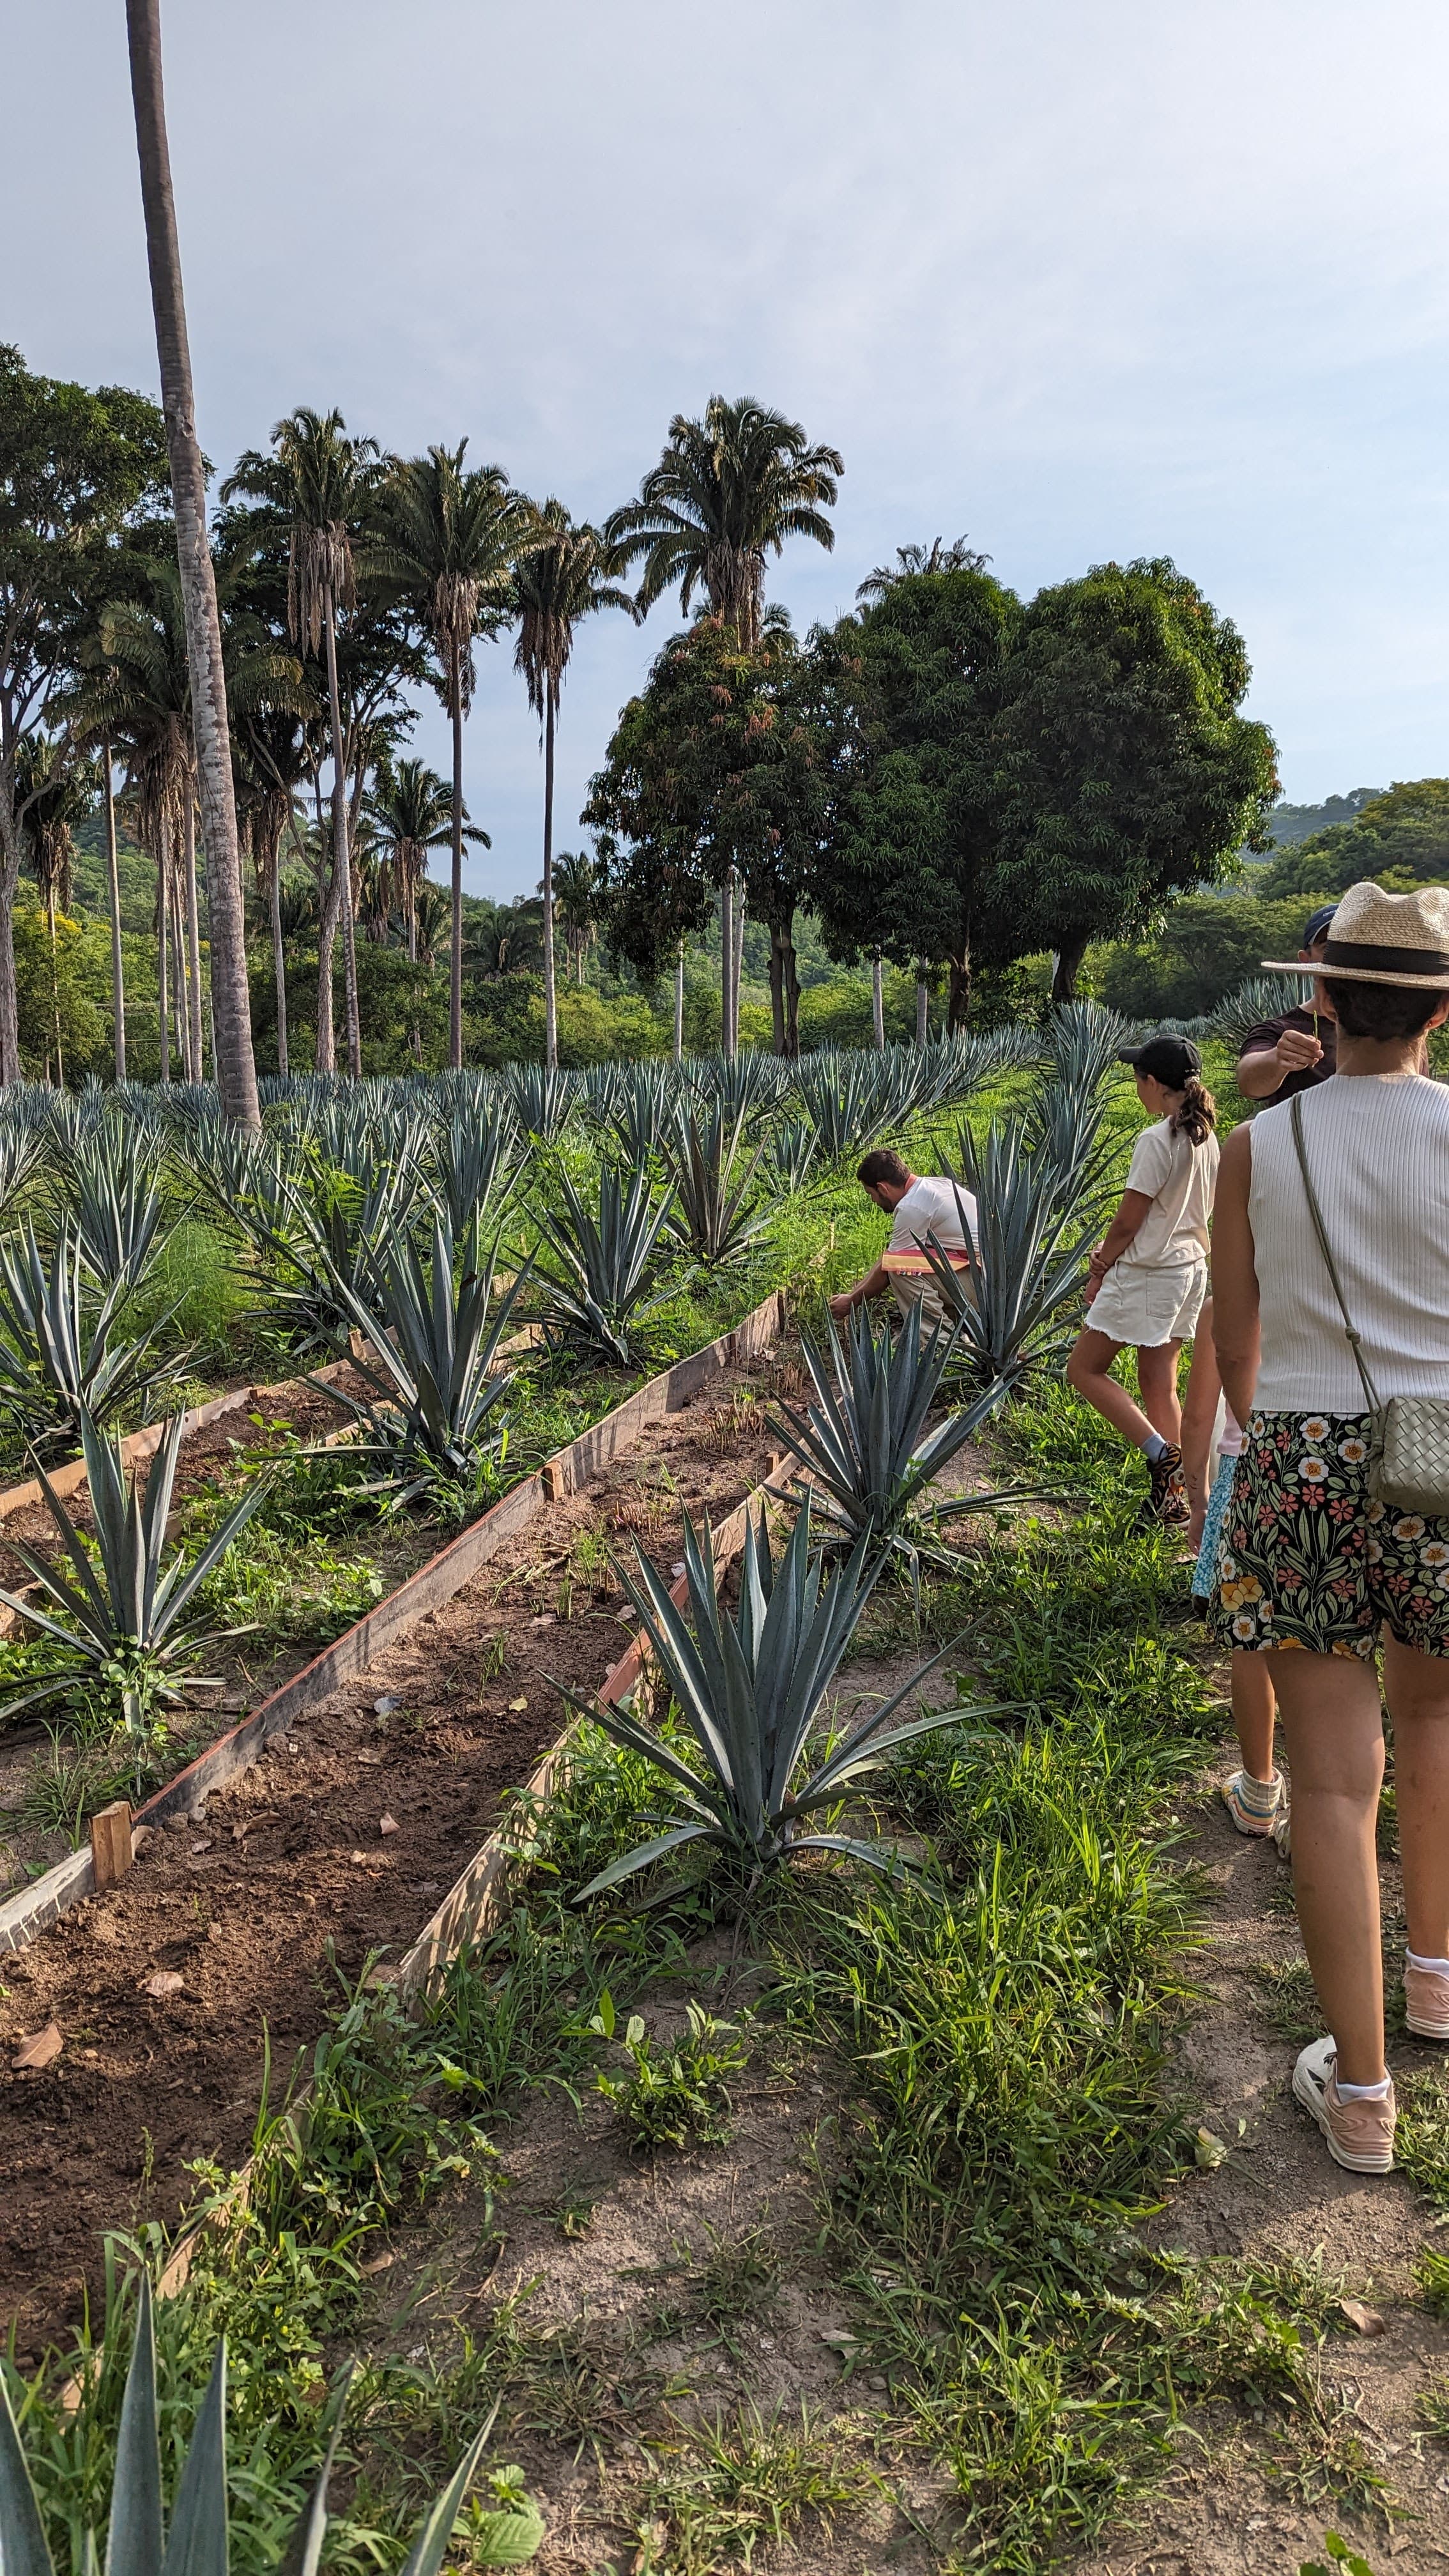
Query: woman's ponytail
x,y
1198,1115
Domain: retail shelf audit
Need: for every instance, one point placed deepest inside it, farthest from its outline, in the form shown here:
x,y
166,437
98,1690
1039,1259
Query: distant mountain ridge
x,y
1289,823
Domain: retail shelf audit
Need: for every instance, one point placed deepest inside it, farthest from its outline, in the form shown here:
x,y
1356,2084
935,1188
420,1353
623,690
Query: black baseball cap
x,y
1169,1060
1316,926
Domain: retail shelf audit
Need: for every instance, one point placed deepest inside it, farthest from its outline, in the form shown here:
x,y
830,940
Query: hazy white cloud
x,y
1080,281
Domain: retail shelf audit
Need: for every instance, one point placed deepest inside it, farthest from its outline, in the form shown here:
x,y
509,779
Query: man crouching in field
x,y
917,1208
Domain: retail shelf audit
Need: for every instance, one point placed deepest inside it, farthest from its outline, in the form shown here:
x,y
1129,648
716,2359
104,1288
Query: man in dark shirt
x,y
1295,1050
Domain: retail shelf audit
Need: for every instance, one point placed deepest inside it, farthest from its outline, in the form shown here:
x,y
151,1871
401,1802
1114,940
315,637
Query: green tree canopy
x,y
1126,774
916,682
1400,839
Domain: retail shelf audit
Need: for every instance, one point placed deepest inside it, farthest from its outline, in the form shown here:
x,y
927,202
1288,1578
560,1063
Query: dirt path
x,y
343,1838
1222,2510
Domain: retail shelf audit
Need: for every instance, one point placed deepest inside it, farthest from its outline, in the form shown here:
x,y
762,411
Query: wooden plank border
x,y
36,1908
138,1445
478,1897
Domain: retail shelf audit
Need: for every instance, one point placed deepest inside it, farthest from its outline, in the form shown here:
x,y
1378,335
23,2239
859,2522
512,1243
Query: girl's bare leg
x,y
1335,1742
1255,1705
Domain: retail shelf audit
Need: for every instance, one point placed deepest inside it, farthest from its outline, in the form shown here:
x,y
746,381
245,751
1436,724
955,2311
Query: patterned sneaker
x,y
1359,2135
1166,1494
1253,1804
1426,1992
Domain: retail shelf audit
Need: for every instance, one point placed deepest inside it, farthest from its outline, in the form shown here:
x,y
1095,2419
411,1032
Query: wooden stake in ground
x,y
111,1848
236,1068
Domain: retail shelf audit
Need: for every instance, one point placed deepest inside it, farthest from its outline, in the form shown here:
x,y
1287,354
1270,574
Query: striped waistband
x,y
919,1262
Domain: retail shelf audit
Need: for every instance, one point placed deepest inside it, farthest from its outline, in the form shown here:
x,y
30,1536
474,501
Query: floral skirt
x,y
1310,1559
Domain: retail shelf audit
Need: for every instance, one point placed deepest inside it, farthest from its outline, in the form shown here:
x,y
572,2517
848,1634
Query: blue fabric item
x,y
1205,1573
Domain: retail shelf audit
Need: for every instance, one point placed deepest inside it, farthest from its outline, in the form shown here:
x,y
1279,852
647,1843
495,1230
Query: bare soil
x,y
292,1861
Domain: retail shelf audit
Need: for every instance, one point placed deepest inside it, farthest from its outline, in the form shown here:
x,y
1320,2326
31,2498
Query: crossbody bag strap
x,y
1316,1212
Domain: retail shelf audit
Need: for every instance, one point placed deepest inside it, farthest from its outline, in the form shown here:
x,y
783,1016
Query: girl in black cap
x,y
1148,1276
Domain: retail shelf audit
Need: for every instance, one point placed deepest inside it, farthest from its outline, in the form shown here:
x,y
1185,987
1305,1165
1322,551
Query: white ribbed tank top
x,y
1378,1150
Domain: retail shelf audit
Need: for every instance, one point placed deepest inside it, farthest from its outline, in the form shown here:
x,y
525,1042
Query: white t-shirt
x,y
1180,1179
932,1207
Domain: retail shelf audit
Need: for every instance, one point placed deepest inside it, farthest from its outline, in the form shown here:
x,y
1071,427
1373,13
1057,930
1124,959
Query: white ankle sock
x,y
1152,1447
1362,2092
1439,1967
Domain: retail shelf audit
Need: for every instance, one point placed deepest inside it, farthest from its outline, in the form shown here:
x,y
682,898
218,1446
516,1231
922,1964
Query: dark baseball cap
x,y
1169,1060
1316,926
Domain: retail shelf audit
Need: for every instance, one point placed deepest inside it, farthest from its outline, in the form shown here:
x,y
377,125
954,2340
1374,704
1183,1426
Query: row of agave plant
x,y
354,1206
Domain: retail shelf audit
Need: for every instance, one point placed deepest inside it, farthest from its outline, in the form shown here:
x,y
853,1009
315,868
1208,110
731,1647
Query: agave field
x,y
770,2164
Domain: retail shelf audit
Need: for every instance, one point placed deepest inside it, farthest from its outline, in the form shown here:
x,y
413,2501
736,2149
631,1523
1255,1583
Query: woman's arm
x,y
1125,1225
1234,1276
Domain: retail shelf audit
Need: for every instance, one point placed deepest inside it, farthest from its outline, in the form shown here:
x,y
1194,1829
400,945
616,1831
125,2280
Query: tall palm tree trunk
x,y
279,961
161,977
236,1069
342,856
877,1000
183,998
550,990
736,962
726,959
679,1000
923,1000
113,879
193,942
455,959
54,988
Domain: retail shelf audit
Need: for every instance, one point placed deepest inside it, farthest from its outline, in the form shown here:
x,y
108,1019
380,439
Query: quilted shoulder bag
x,y
1408,1463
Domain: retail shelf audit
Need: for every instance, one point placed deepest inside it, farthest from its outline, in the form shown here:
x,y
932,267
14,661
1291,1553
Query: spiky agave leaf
x,y
134,2542
1009,1312
864,1438
112,1186
24,2550
750,1685
60,1353
435,1355
474,1158
596,1292
131,1617
713,1177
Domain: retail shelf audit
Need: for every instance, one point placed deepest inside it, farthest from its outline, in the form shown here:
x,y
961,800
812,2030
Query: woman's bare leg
x,y
1089,1372
1199,1415
1157,1379
1255,1707
1334,1732
1417,1690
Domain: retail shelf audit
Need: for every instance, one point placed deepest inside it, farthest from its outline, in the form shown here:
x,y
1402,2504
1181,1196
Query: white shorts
x,y
1145,1307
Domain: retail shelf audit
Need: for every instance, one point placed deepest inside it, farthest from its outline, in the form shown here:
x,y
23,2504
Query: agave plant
x,y
865,1443
135,1625
749,1685
1010,1309
1262,997
596,1295
113,1186
540,1097
790,1149
61,1360
434,1362
473,1155
138,2542
744,1086
1082,1040
24,1152
640,1111
712,1182
851,1100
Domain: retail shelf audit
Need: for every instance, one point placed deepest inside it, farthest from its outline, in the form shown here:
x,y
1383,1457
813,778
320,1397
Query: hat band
x,y
1366,953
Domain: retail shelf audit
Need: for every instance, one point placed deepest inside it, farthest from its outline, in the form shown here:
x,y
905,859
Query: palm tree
x,y
410,810
144,699
727,491
272,763
562,578
236,1068
323,482
449,541
55,794
936,557
577,889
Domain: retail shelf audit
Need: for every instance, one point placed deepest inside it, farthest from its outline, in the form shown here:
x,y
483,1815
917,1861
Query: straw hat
x,y
1379,938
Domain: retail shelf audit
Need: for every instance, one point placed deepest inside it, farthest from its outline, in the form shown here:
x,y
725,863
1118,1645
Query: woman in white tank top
x,y
1314,1569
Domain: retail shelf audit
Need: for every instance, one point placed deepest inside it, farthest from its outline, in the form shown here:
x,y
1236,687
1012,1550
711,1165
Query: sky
x,y
1081,279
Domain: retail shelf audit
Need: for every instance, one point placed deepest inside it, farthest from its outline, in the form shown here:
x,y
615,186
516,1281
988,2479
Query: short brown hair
x,y
1383,1011
883,1163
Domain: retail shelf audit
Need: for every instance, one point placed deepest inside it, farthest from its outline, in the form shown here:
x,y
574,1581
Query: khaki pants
x,y
917,1288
